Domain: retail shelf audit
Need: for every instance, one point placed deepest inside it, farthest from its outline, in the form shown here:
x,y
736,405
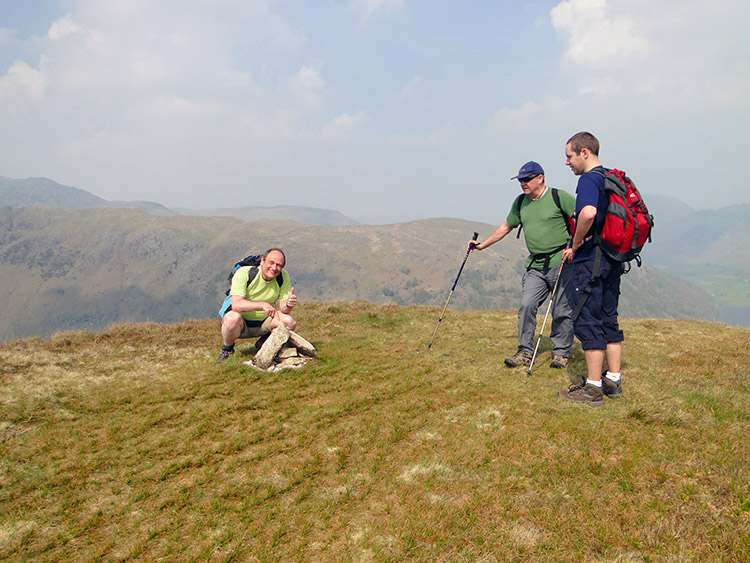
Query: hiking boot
x,y
612,389
559,362
584,394
223,355
520,358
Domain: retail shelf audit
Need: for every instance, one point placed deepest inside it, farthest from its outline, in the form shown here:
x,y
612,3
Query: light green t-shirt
x,y
259,290
544,226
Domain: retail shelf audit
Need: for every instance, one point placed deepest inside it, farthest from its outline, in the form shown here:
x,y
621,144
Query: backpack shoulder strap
x,y
567,218
556,198
592,282
251,273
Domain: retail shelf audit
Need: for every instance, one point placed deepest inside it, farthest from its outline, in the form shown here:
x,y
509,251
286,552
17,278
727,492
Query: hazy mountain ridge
x,y
42,192
297,213
684,237
94,267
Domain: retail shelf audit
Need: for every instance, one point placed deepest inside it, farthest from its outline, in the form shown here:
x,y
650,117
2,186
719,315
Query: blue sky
x,y
386,110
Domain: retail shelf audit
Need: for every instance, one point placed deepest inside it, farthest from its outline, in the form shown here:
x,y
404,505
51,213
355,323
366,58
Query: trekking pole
x,y
468,251
541,332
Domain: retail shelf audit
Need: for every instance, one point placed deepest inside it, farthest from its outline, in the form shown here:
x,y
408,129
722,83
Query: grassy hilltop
x,y
129,445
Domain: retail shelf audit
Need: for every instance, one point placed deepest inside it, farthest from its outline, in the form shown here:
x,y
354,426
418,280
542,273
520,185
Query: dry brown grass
x,y
130,445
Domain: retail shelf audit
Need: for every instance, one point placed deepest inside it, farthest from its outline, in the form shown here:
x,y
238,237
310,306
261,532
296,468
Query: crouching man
x,y
250,311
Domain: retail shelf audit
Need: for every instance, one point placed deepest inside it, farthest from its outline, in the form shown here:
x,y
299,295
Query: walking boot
x,y
520,358
583,394
612,389
559,362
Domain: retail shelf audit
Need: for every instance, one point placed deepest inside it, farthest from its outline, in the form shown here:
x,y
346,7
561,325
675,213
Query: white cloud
x,y
6,35
22,80
167,107
604,86
343,125
147,66
306,89
83,148
62,28
368,8
414,86
507,119
600,35
662,49
435,138
310,78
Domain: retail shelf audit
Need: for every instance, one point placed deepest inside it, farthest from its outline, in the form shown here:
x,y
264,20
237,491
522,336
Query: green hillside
x,y
709,248
87,269
128,445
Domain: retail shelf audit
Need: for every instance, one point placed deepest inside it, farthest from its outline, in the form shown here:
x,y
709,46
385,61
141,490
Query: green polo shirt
x,y
544,226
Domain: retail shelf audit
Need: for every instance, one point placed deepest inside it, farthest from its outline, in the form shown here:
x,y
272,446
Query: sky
x,y
385,110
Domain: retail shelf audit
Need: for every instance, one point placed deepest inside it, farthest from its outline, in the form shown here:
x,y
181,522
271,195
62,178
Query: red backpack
x,y
627,223
627,227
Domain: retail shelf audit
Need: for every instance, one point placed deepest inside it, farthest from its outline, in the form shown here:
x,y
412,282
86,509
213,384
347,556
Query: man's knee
x,y
290,322
282,319
232,321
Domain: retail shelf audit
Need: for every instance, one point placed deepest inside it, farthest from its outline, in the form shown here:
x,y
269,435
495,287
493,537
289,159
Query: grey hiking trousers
x,y
536,286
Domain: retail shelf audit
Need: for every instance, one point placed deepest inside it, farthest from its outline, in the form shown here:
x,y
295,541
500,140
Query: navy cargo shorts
x,y
596,325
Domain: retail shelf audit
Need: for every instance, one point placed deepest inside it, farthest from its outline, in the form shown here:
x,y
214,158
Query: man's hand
x,y
473,243
568,254
291,299
269,309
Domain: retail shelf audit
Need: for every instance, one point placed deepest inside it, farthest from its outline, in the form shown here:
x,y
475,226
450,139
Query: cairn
x,y
282,350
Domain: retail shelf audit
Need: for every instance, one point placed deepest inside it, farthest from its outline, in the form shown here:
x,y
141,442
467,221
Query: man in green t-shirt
x,y
543,213
251,311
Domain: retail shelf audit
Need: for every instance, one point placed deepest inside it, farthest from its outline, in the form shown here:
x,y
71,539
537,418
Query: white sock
x,y
613,376
594,383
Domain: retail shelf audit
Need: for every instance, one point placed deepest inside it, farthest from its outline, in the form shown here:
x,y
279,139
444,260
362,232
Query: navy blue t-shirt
x,y
590,191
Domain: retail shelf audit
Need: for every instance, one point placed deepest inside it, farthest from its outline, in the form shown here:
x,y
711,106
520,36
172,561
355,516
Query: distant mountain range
x,y
709,248
68,265
41,192
87,269
685,238
297,213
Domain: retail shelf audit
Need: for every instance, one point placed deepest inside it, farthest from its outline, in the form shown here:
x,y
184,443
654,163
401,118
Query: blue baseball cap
x,y
531,168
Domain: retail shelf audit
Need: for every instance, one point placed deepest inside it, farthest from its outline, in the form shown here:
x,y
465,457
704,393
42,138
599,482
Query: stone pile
x,y
283,349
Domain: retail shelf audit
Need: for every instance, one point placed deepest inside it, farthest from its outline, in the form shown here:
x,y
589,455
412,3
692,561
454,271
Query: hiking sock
x,y
229,348
594,383
614,377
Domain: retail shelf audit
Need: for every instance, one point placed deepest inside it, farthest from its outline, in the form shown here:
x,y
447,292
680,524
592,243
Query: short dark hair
x,y
274,250
584,140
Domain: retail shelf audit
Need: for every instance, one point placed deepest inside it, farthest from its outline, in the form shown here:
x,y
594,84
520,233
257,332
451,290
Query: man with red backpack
x,y
595,278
